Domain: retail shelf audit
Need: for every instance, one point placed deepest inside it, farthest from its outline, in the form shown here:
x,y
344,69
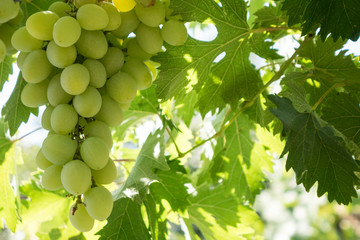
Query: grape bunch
x,y
71,64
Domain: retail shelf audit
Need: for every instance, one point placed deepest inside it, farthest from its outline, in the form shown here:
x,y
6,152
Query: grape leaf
x,y
14,111
33,6
5,143
338,17
157,223
316,153
5,70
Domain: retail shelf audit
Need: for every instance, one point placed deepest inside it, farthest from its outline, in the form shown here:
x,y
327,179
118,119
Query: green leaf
x,y
5,70
33,6
263,49
14,111
5,143
316,153
155,212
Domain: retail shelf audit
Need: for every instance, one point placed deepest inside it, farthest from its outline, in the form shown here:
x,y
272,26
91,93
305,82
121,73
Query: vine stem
x,y
27,134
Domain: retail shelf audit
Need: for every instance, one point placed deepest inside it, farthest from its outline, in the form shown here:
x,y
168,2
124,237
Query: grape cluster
x,y
70,64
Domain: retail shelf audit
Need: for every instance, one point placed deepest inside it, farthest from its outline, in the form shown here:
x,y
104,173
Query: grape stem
x,y
27,134
124,160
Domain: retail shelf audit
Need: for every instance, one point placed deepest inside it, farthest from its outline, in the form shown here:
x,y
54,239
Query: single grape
x,y
59,149
149,38
97,72
125,106
113,61
34,95
174,32
55,93
50,179
99,129
95,152
92,17
66,31
40,25
21,58
98,202
8,10
46,118
74,79
88,103
41,161
110,112
105,175
36,67
76,177
63,119
92,44
151,16
129,22
23,41
60,57
2,51
122,87
79,3
139,71
114,16
80,219
135,51
60,8
124,5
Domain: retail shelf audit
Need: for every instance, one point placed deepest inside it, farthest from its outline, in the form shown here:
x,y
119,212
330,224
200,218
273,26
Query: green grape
x,y
8,10
16,21
99,129
92,17
88,103
135,51
80,219
23,41
92,44
2,51
21,58
40,25
97,72
46,118
174,32
41,161
74,79
151,16
63,119
139,71
113,61
59,149
95,152
147,3
34,94
55,93
98,202
76,177
50,179
110,112
6,34
36,67
114,16
122,87
79,3
125,106
124,5
129,22
60,8
66,31
149,38
106,175
60,57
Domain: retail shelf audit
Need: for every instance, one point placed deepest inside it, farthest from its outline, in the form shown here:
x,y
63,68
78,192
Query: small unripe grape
x,y
41,161
23,41
135,51
80,219
95,152
124,5
110,112
60,57
149,38
88,103
151,16
60,8
2,51
63,119
139,71
40,25
105,175
129,22
99,129
113,61
51,178
98,202
59,149
92,44
76,177
74,79
46,118
66,31
92,17
20,59
97,72
114,16
55,93
34,95
8,10
122,87
36,67
174,32
125,106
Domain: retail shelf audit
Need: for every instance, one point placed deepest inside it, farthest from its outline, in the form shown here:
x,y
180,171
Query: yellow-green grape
x,y
63,119
92,17
59,149
114,16
6,33
50,179
124,5
76,177
98,202
24,42
34,94
21,58
122,87
129,22
125,106
55,93
74,79
88,103
60,8
139,71
2,51
80,219
113,61
174,32
95,152
79,3
149,38
60,57
106,175
66,31
151,16
40,25
110,112
134,50
16,21
8,10
92,44
41,161
36,67
46,118
97,72
99,129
